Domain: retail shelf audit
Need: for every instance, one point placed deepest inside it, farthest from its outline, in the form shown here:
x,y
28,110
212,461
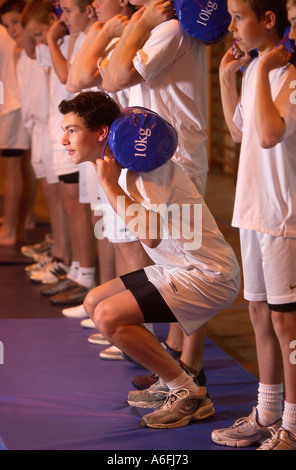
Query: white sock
x,y
72,274
181,382
289,417
86,277
270,403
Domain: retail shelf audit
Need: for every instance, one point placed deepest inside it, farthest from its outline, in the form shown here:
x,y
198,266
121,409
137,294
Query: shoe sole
x,y
73,301
235,443
98,341
202,413
144,404
79,316
111,358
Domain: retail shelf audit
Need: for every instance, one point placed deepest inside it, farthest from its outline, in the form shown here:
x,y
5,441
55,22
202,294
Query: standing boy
x,y
265,207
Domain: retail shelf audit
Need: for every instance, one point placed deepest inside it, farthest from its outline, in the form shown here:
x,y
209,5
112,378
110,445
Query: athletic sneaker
x,y
282,439
87,323
97,338
179,409
32,268
111,354
148,399
31,250
152,397
244,432
76,312
50,273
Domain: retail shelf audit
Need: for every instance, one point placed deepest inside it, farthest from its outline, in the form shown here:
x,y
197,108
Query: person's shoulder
x,y
172,26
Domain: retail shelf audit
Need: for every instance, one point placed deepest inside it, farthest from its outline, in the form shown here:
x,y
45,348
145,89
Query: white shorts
x,y
193,297
62,163
42,159
269,268
200,182
111,226
13,134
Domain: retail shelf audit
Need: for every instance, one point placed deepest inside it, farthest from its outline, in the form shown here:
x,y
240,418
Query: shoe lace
x,y
273,439
173,397
242,421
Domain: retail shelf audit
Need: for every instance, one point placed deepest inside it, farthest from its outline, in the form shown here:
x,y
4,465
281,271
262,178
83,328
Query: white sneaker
x,y
43,247
97,338
32,268
50,273
88,323
111,354
74,312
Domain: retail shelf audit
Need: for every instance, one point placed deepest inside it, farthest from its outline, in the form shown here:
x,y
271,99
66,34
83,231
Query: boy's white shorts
x,y
13,133
111,225
269,267
193,297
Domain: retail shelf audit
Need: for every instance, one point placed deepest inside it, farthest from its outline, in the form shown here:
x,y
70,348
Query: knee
x,y
104,319
282,326
260,315
90,303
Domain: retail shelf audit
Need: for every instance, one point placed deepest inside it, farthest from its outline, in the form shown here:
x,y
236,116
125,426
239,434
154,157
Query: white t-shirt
x,y
34,90
173,65
9,93
192,238
58,92
266,184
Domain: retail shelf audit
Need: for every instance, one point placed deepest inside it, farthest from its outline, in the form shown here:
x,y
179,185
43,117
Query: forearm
x,y
270,125
120,72
83,72
230,99
58,60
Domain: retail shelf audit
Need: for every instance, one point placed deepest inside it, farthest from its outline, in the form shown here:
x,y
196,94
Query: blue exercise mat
x,y
57,394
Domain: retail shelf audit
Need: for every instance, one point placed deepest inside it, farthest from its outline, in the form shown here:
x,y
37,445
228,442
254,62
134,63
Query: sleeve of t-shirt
x,y
285,101
43,56
162,48
238,116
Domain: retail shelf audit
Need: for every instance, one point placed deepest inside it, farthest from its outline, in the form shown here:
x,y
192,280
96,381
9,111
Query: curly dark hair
x,y
95,108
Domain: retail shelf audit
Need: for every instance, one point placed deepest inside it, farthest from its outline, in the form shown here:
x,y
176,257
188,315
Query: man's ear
x,y
270,19
123,3
90,11
52,17
102,133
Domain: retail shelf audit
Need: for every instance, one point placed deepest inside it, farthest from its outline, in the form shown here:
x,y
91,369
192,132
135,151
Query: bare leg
x,y
130,257
268,348
106,256
80,226
118,317
175,337
59,226
12,190
193,348
285,329
29,186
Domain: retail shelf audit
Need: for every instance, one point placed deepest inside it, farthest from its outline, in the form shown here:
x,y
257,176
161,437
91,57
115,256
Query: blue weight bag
x,y
203,19
141,140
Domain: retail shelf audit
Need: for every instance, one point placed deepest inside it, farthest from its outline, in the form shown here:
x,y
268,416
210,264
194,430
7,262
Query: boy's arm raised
x,y
120,72
230,65
144,224
270,125
55,32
